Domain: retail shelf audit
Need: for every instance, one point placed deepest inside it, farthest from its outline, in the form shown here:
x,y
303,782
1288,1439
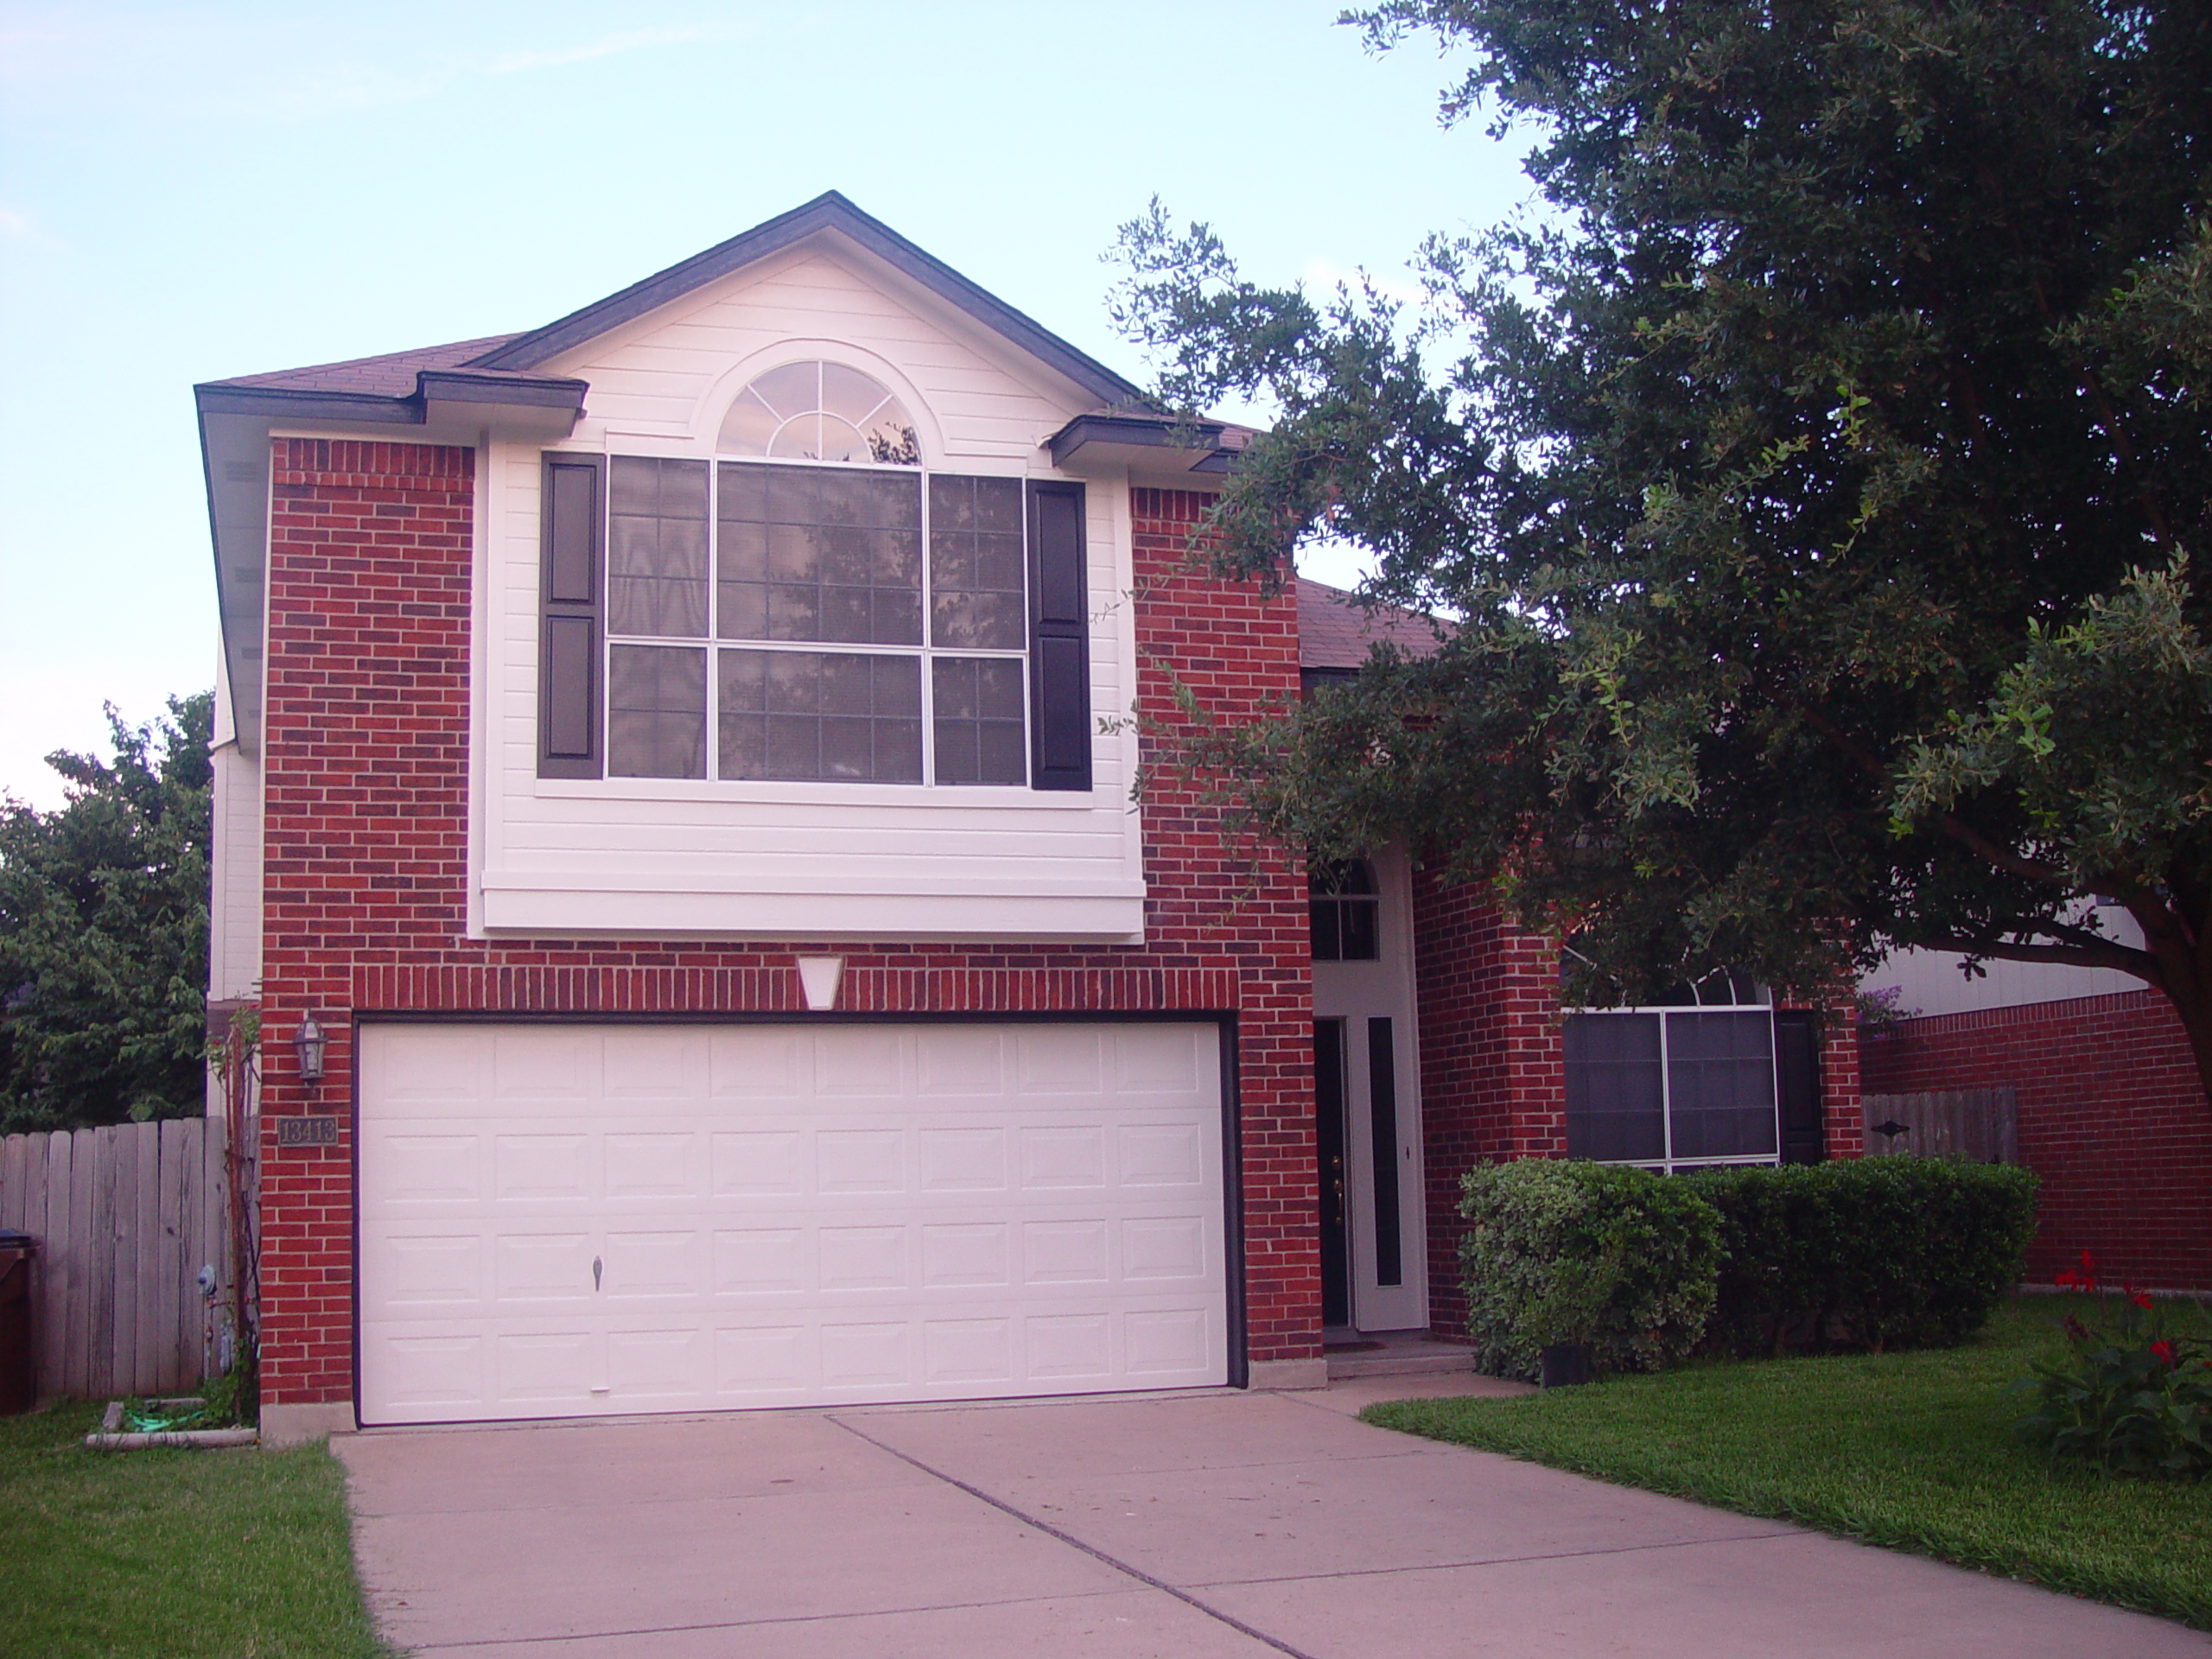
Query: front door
x,y
1367,1105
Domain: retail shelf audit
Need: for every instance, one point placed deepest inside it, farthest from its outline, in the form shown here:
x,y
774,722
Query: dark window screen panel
x,y
978,598
820,716
657,712
1720,1084
976,720
809,554
1383,1124
1329,1148
1616,1087
657,548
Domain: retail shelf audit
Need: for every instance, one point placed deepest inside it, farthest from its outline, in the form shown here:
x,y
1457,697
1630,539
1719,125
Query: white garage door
x,y
566,1220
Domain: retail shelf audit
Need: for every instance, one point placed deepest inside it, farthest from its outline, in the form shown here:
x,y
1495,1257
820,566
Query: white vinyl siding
x,y
770,860
565,1220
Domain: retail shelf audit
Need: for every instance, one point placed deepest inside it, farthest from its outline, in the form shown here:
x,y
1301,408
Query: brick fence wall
x,y
365,760
2112,1117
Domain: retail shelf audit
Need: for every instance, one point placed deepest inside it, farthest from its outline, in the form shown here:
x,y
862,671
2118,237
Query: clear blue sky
x,y
190,193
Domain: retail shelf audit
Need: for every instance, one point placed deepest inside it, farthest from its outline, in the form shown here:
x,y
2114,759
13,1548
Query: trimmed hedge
x,y
1865,1253
1573,1251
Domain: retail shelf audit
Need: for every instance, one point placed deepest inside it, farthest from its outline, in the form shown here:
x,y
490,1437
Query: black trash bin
x,y
18,1366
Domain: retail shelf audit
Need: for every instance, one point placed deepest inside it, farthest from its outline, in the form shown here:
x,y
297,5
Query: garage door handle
x,y
597,1266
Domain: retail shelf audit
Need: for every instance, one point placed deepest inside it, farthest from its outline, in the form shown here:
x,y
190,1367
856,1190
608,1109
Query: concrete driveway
x,y
1196,1526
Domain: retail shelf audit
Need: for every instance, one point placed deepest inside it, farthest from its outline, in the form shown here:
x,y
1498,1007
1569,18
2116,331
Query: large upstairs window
x,y
818,608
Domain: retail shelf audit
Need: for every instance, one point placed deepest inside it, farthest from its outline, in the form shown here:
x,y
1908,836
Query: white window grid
x,y
926,652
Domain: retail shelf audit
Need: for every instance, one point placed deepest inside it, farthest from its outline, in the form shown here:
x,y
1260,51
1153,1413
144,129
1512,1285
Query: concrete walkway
x,y
1205,1526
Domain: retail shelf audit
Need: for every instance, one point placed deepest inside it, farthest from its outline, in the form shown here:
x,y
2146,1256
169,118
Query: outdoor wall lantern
x,y
307,1042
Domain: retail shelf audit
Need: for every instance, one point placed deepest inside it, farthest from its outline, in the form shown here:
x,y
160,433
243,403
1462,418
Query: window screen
x,y
977,728
1720,1084
657,712
1616,1088
812,554
657,548
802,714
976,597
1670,1087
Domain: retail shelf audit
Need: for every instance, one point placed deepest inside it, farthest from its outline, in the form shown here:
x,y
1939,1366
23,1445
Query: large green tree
x,y
104,932
1814,472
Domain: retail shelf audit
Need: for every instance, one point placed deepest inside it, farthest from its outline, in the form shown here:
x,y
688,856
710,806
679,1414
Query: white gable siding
x,y
637,856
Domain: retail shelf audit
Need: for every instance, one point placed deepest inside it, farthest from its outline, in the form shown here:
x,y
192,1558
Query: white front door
x,y
560,1220
1367,1061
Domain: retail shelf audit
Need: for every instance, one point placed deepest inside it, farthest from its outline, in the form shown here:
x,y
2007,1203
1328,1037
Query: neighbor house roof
x,y
1335,632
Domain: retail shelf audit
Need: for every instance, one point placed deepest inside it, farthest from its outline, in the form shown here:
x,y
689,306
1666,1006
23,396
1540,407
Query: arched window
x,y
820,411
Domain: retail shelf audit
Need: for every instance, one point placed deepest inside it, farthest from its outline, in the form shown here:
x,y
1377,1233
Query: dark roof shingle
x,y
1335,632
391,375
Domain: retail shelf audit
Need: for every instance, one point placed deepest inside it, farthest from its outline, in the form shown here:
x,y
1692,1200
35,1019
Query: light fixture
x,y
307,1042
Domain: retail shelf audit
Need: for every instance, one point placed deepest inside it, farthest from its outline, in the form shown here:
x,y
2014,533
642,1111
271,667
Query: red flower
x,y
2164,1353
2140,1298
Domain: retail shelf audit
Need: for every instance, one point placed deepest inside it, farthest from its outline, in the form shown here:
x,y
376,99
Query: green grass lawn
x,y
1913,1450
171,1553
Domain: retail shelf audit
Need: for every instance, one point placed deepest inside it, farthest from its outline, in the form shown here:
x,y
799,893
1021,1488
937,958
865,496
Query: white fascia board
x,y
540,911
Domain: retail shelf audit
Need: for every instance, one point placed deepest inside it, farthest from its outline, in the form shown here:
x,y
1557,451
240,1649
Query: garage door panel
x,y
653,1064
549,1069
1058,1060
756,1064
866,1065
960,1062
547,1369
962,1159
534,1168
784,1216
649,1368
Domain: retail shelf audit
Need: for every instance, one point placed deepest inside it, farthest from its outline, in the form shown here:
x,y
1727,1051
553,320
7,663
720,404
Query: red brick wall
x,y
364,752
2112,1117
1492,1086
1492,1069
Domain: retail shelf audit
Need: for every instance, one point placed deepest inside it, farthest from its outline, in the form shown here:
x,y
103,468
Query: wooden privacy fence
x,y
125,1218
1979,1125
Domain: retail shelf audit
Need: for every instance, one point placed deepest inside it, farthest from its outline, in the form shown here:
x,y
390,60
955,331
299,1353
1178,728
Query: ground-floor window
x,y
1692,1082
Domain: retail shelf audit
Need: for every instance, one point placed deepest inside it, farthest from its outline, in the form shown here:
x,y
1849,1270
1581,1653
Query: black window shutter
x,y
1059,645
573,515
1798,1079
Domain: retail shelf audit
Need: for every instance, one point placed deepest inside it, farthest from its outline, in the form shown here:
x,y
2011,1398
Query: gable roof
x,y
1335,632
391,375
827,212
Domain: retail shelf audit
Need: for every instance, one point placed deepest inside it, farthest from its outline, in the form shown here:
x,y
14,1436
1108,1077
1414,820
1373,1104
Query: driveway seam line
x,y
1509,1561
1074,1543
754,1623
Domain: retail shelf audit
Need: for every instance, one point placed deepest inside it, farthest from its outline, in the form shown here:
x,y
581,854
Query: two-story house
x,y
681,759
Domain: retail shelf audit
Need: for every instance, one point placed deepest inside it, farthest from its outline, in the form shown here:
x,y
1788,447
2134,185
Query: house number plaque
x,y
306,1131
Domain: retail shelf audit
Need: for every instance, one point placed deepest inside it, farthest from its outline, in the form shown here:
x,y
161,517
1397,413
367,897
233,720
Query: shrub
x,y
2137,1398
1865,1253
1573,1251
